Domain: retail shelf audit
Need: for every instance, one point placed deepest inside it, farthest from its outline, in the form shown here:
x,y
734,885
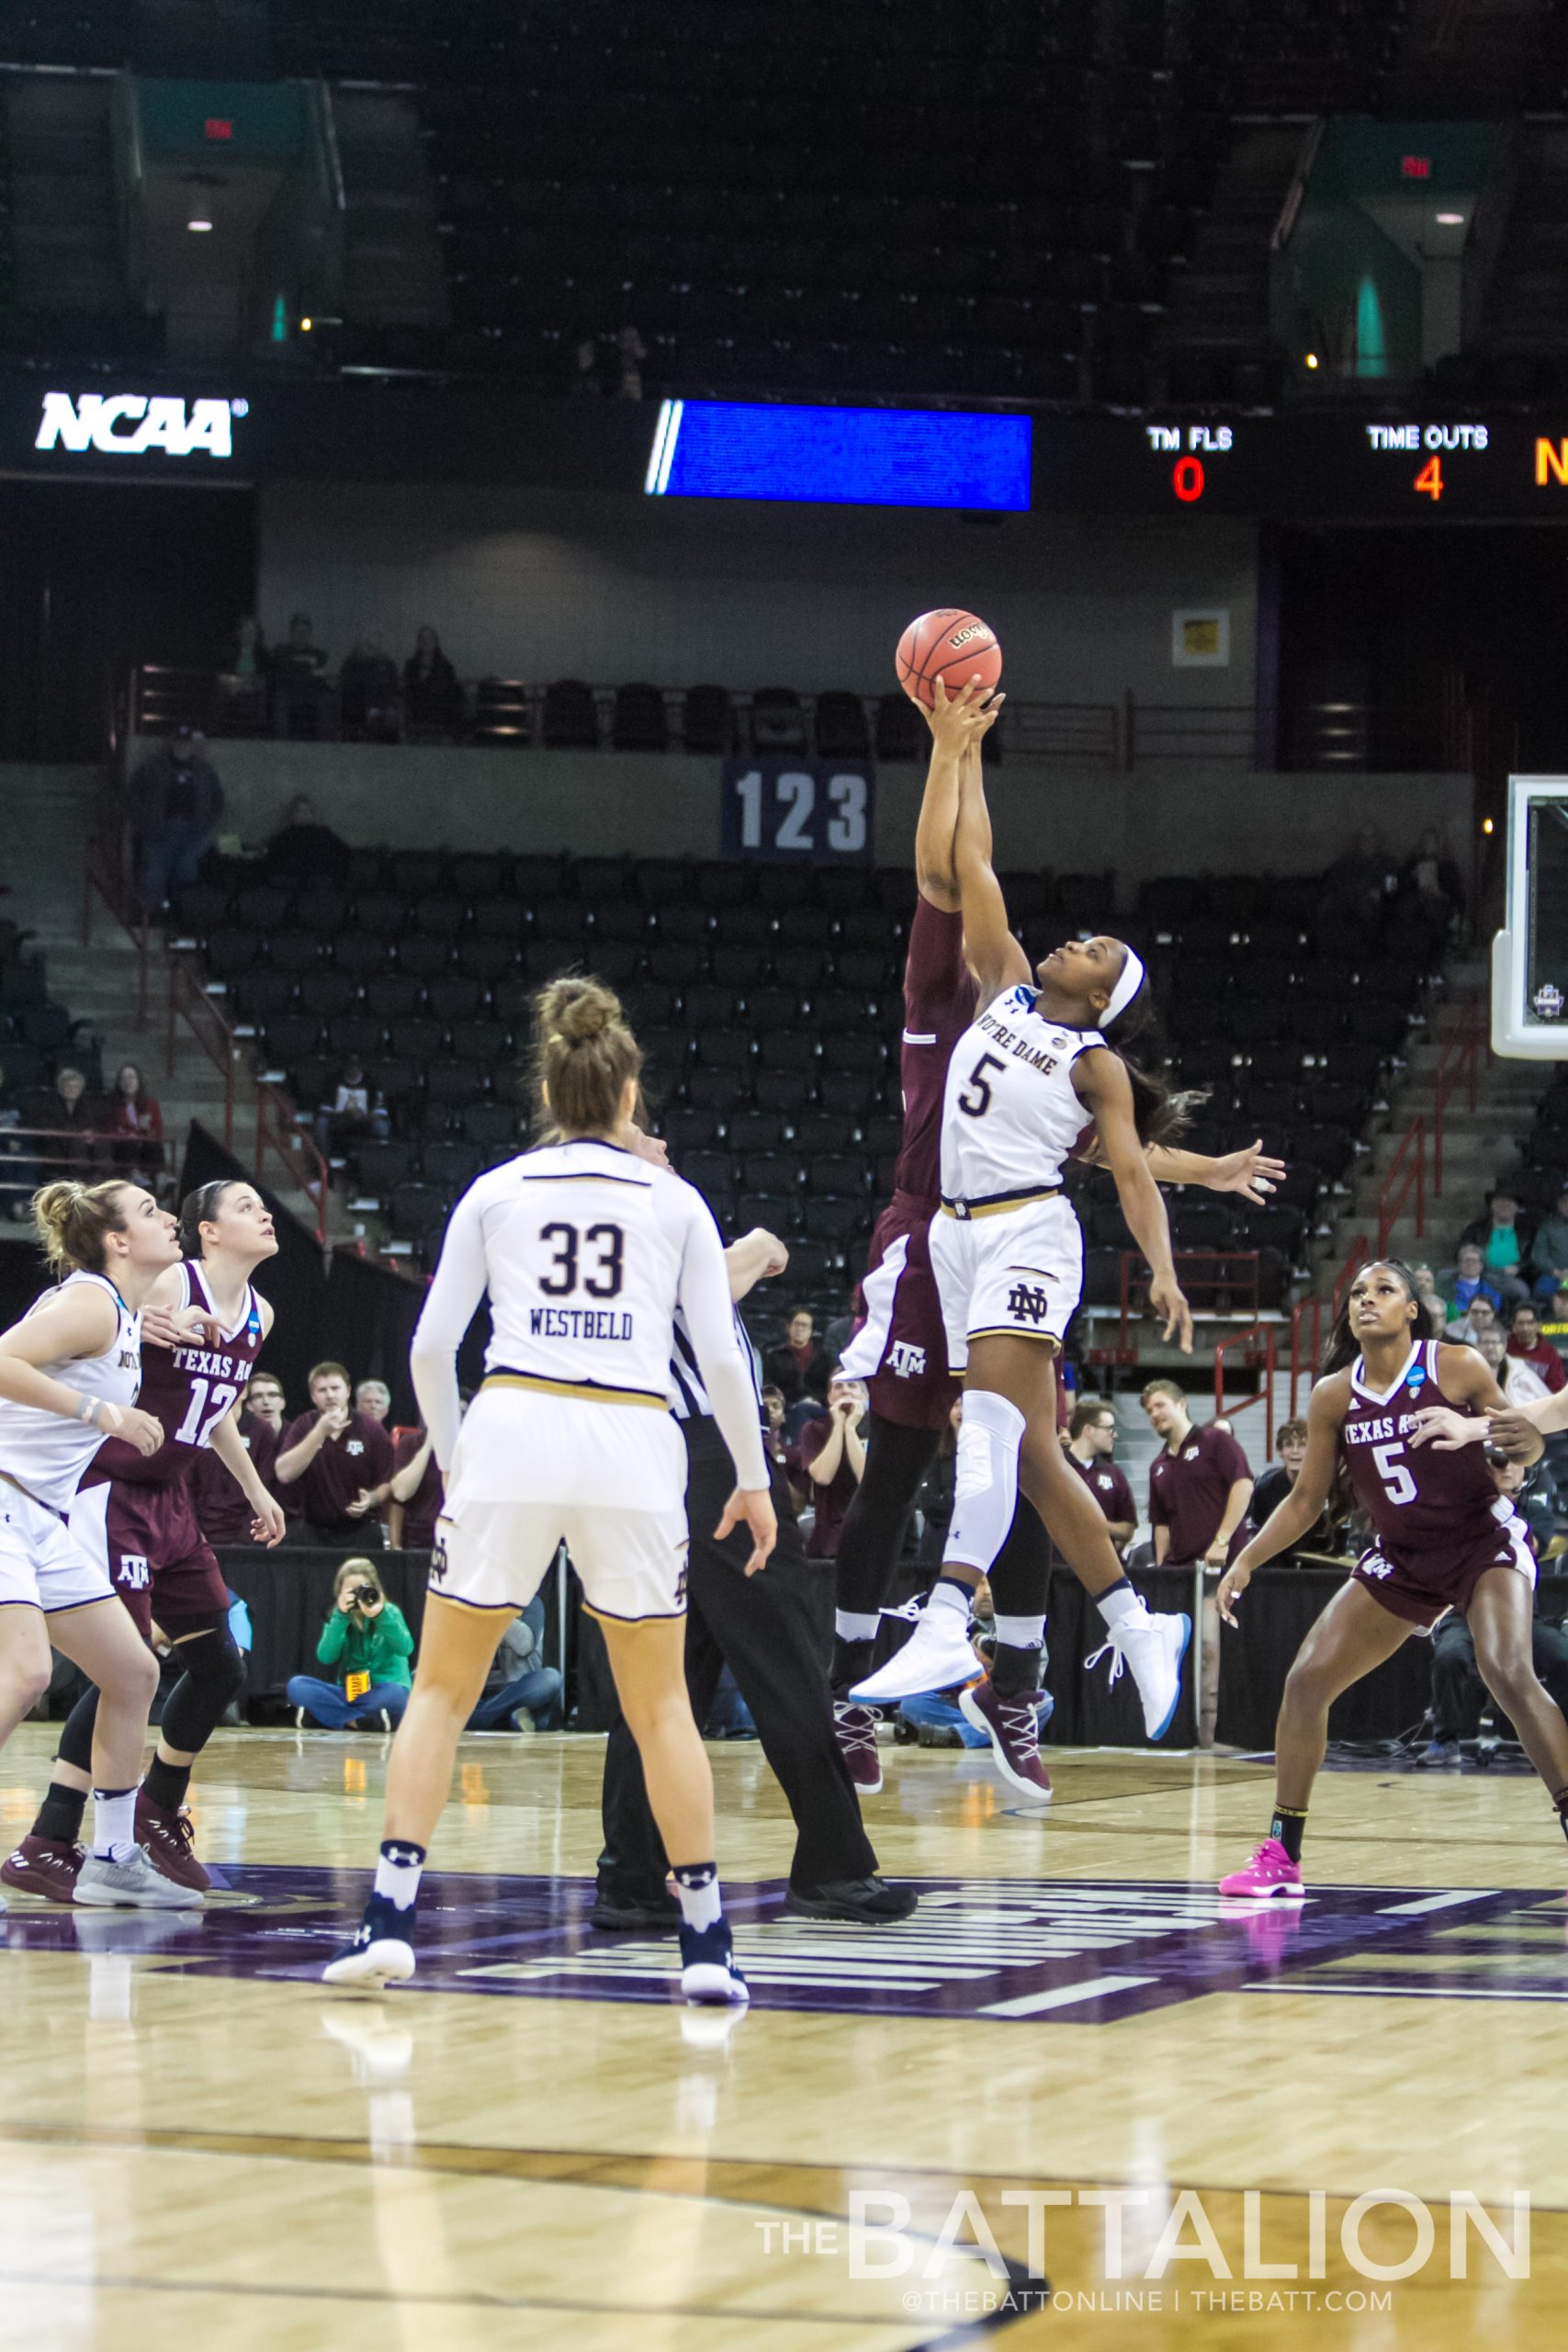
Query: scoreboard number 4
x,y
1429,481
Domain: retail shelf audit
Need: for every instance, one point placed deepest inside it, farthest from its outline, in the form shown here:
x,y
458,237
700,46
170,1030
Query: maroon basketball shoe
x,y
856,1729
165,1831
46,1866
1013,1728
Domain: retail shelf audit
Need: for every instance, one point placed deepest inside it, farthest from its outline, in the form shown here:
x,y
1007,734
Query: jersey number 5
x,y
1398,1484
976,1099
608,1270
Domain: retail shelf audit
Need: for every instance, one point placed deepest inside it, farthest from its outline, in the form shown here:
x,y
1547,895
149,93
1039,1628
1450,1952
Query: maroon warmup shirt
x,y
1110,1488
221,1511
361,1456
833,1500
423,1505
1188,1490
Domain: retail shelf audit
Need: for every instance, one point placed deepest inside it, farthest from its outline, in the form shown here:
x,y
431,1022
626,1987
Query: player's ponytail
x,y
1159,1113
72,1220
1342,1347
198,1207
583,1054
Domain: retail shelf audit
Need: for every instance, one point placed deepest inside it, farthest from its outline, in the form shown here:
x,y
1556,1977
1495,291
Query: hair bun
x,y
586,1015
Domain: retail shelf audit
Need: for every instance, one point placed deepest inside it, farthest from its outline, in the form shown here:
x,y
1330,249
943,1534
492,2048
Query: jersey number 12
x,y
200,1422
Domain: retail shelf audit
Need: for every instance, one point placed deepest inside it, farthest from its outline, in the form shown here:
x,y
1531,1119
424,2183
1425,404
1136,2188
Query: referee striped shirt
x,y
689,1399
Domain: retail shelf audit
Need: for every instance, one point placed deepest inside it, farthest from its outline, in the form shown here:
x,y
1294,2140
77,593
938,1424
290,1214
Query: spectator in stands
x,y
1091,1442
1431,894
347,1118
519,1681
74,1117
368,708
831,1452
301,698
222,1512
1502,1247
1549,1251
17,1176
800,1366
366,1643
774,1443
1271,1489
1555,1318
1358,886
374,1399
1200,1487
335,1458
415,1494
433,693
1468,1279
174,802
1535,1368
304,850
245,655
135,1122
1479,1318
1491,1346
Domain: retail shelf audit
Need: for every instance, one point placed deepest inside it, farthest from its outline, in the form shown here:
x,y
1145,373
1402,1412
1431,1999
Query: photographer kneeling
x,y
366,1643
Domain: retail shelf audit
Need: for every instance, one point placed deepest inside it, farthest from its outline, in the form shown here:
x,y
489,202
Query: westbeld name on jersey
x,y
580,1323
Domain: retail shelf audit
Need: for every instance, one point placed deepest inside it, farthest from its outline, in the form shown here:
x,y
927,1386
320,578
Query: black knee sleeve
x,y
872,1537
76,1732
1020,1569
214,1676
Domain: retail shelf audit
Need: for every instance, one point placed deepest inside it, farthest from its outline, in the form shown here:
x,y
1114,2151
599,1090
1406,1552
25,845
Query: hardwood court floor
x,y
534,2146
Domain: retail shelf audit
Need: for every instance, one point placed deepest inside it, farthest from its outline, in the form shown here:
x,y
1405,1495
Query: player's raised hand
x,y
1250,1172
961,719
1166,1299
184,1327
1445,1430
1233,1584
755,1506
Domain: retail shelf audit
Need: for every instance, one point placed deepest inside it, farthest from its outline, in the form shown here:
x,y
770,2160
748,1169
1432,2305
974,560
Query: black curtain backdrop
x,y
331,1307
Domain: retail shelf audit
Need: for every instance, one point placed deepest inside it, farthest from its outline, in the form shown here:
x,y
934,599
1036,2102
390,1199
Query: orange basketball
x,y
950,645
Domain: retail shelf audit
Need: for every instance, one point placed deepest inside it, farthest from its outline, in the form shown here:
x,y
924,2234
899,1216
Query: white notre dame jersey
x,y
586,1252
1009,1116
44,1453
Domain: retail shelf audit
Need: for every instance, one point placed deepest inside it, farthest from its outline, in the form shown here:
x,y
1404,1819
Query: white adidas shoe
x,y
937,1656
136,1881
1153,1647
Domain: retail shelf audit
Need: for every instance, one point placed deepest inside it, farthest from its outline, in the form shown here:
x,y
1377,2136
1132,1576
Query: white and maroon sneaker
x,y
856,1729
46,1866
1270,1871
165,1831
1013,1727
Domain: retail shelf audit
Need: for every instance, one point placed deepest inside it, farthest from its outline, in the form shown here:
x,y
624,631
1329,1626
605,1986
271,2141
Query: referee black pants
x,y
768,1630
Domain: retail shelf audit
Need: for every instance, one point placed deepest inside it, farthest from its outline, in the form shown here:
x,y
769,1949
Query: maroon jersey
x,y
189,1390
1188,1490
940,998
1110,1486
1415,1496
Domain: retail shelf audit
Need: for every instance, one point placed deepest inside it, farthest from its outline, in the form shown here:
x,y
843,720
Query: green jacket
x,y
380,1649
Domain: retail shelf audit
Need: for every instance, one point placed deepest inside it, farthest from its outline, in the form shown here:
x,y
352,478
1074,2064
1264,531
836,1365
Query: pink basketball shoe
x,y
1270,1871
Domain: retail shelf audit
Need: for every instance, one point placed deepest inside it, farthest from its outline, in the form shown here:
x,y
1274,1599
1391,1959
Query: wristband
x,y
87,1408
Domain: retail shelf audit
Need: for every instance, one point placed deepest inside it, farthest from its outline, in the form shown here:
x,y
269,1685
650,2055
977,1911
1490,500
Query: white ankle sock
x,y
696,1884
948,1593
114,1824
1120,1602
398,1868
851,1626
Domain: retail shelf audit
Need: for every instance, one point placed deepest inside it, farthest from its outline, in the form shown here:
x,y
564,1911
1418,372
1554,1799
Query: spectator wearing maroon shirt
x,y
416,1493
1200,1487
1527,1344
222,1513
800,1366
1091,1441
334,1460
831,1452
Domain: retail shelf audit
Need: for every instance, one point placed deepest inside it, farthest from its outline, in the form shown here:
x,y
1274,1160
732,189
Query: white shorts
x,y
41,1563
530,1470
1018,1273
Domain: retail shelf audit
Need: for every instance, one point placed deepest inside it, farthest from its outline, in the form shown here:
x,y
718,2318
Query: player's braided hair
x,y
71,1219
1159,1113
1342,1346
583,1054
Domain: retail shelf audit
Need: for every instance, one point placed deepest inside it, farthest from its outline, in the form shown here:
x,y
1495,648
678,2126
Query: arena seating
x,y
1543,1153
768,1001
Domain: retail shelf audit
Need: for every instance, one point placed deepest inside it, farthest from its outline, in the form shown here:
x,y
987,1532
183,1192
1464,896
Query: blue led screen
x,y
841,456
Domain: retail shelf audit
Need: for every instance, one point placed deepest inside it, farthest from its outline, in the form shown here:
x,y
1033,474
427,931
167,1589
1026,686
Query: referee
x,y
765,1628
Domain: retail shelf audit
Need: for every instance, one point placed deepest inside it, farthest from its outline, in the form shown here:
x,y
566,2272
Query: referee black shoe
x,y
618,1913
868,1902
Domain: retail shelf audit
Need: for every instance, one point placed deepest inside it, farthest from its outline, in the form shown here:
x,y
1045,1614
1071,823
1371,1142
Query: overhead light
x,y
306,324
1486,824
199,228
1449,219
1312,359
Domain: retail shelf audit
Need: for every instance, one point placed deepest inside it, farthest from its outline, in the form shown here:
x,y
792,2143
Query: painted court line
x,y
1030,2005
1434,1903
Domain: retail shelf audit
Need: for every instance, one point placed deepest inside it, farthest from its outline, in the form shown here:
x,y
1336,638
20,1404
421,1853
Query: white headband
x,y
1126,988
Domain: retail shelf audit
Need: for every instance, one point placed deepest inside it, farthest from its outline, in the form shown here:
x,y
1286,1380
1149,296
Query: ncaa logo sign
x,y
905,1361
128,425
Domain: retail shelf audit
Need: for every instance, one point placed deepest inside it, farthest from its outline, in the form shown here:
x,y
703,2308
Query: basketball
x,y
947,644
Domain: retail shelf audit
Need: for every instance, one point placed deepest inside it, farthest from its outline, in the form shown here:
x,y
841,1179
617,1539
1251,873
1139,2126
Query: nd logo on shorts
x,y
905,1361
134,1572
1029,1303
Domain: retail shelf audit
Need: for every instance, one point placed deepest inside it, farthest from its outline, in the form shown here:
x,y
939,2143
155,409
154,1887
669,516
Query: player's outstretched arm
x,y
957,723
1305,1503
995,956
1467,1379
1252,1172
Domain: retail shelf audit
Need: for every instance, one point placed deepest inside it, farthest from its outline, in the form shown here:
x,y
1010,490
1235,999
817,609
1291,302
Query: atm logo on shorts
x,y
134,1572
128,425
905,1361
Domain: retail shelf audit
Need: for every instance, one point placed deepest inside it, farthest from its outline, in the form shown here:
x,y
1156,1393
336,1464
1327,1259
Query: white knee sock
x,y
985,1486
